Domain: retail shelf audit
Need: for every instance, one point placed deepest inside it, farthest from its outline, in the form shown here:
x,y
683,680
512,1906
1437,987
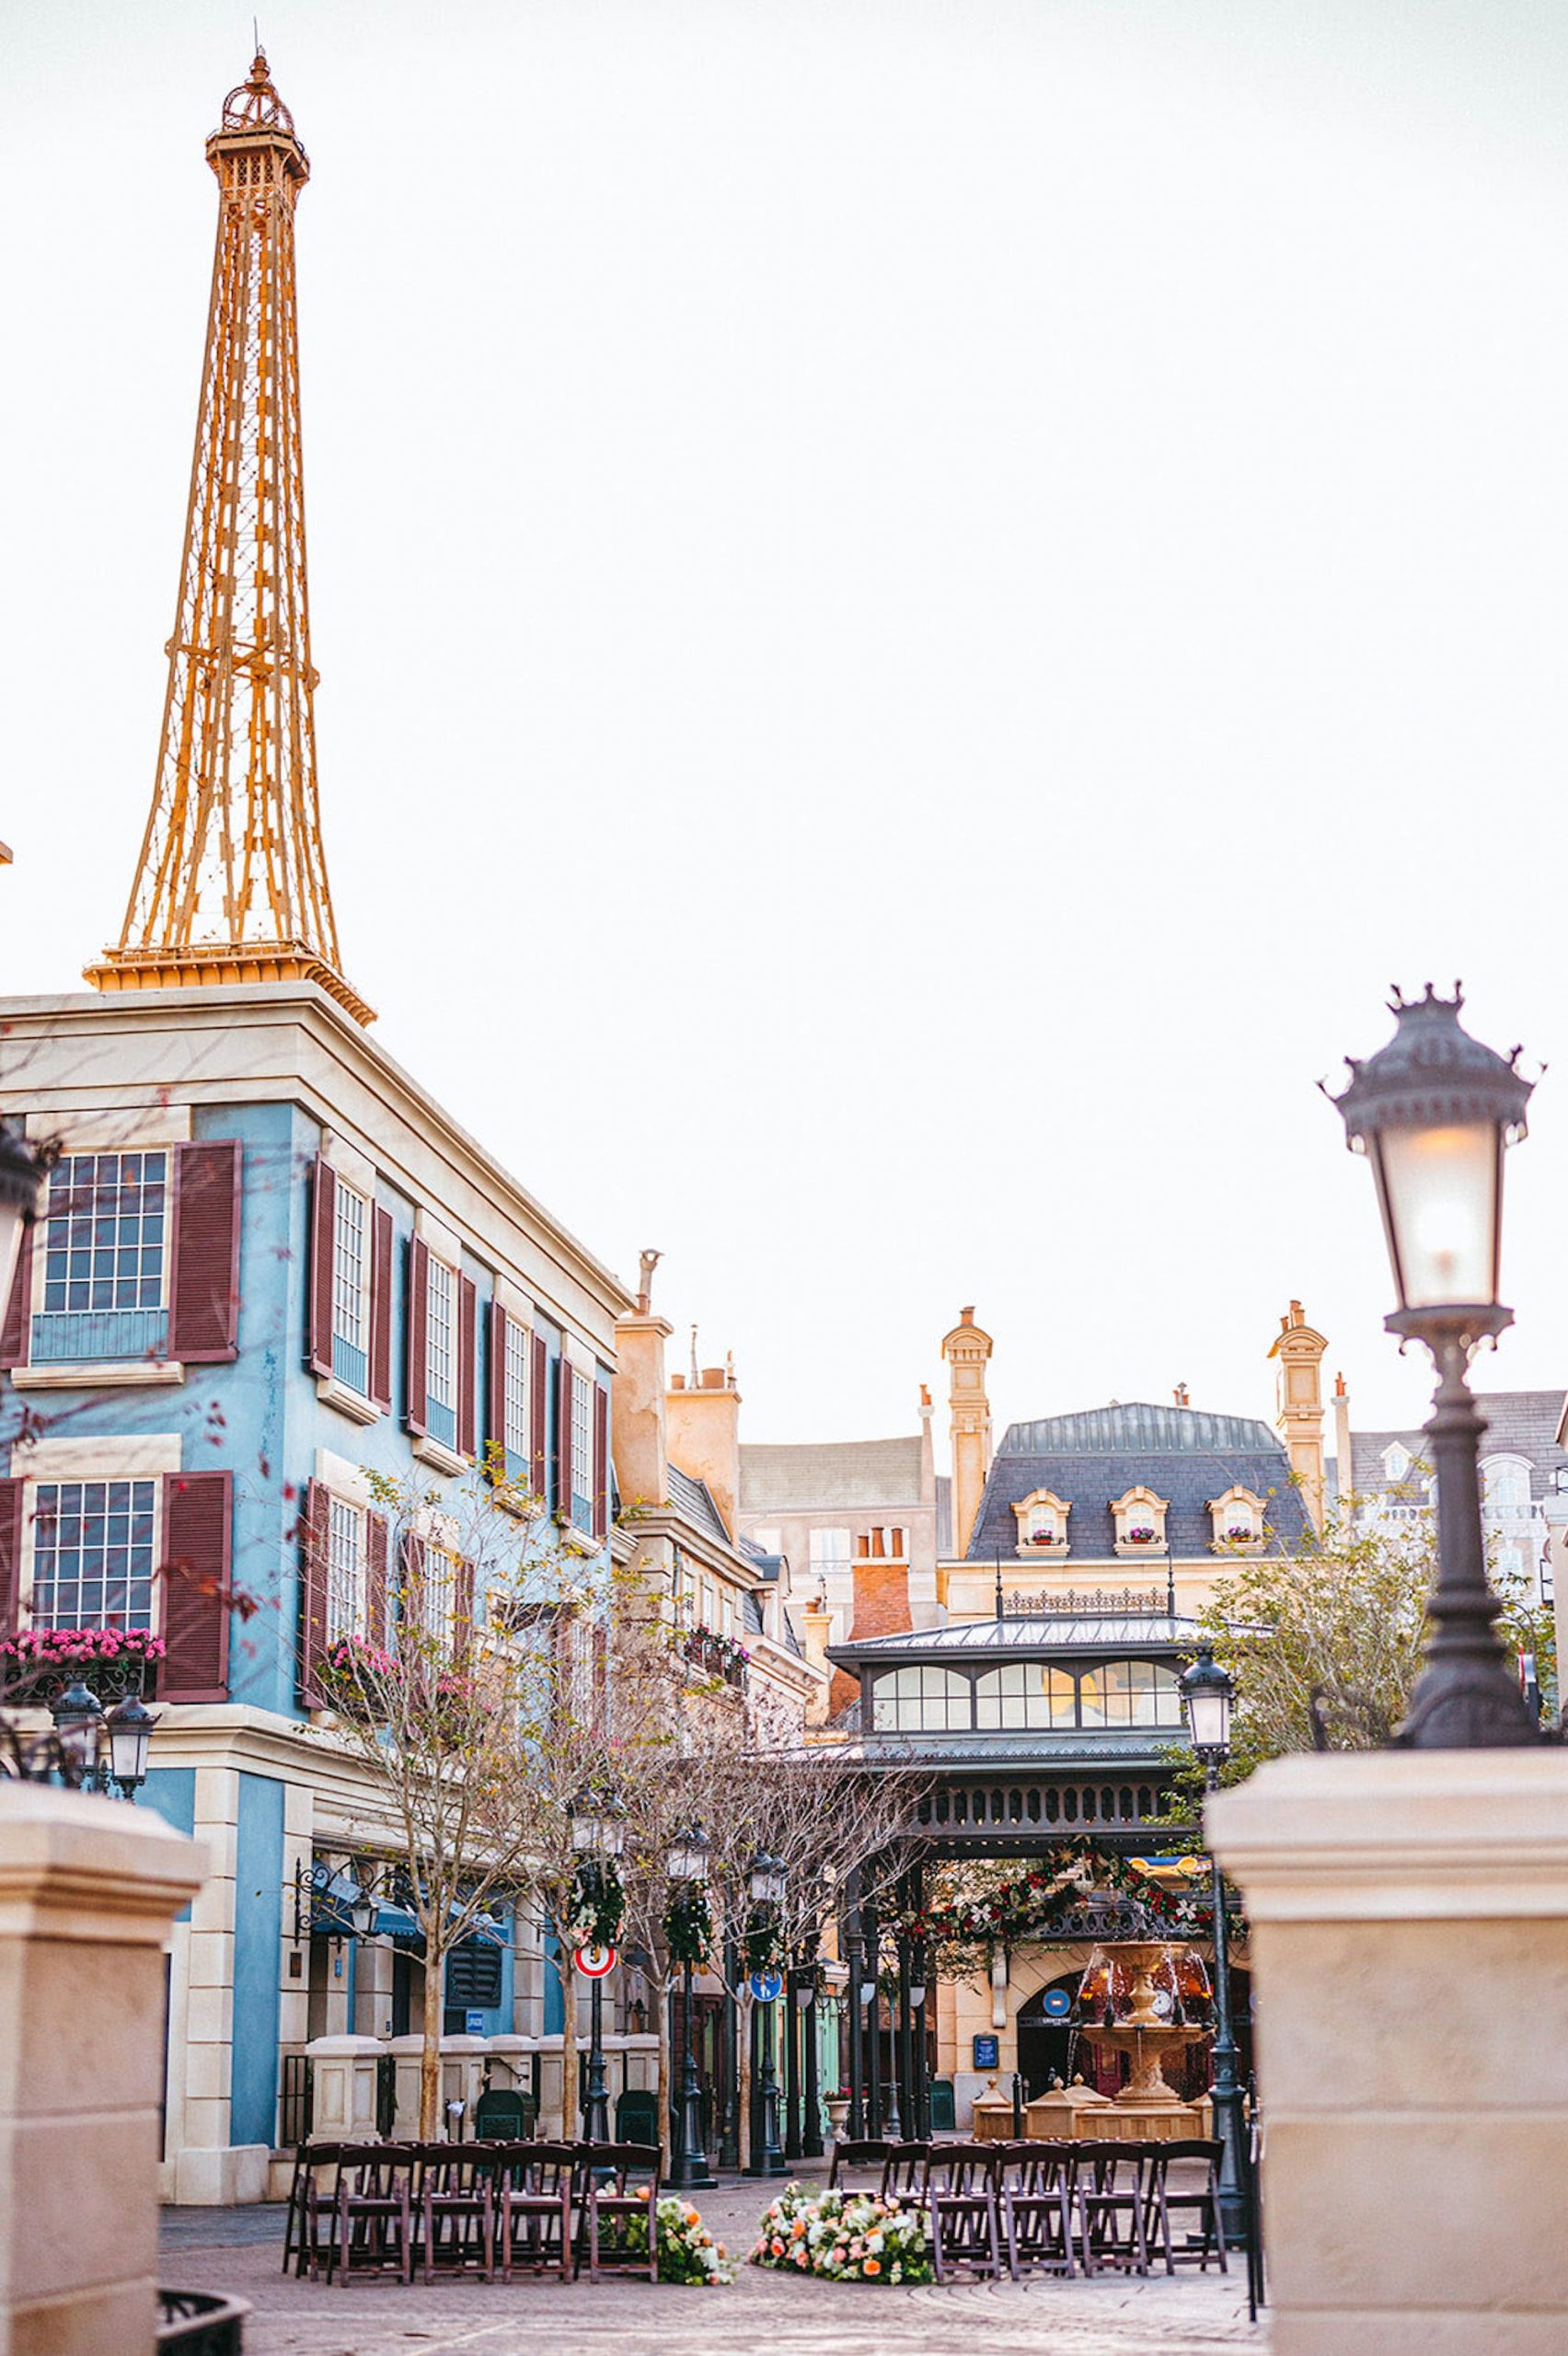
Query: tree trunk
x,y
743,2071
663,2002
571,2111
430,2055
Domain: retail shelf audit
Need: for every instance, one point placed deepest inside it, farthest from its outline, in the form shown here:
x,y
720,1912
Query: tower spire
x,y
231,885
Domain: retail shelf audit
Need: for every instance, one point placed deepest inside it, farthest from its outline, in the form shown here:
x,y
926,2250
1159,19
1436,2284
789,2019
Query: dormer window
x,y
1238,1520
1140,1521
1043,1524
1397,1462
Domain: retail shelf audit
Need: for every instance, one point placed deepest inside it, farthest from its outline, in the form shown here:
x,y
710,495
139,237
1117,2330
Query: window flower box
x,y
1143,1536
38,1664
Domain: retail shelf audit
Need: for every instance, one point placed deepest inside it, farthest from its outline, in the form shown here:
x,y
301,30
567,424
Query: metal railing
x,y
296,2100
201,2323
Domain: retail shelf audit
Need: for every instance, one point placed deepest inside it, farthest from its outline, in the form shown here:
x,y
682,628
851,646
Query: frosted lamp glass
x,y
1440,1199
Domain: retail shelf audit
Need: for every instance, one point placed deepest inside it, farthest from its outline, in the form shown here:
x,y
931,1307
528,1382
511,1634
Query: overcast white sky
x,y
919,608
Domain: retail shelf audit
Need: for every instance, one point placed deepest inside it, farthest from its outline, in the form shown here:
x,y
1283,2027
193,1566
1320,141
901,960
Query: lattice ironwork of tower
x,y
232,882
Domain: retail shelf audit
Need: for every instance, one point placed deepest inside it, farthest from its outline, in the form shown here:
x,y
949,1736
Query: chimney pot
x,y
967,1316
713,1378
677,1383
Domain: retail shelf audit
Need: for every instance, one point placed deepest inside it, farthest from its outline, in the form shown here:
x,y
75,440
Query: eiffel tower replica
x,y
231,885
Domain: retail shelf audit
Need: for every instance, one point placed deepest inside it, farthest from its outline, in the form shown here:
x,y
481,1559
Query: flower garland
x,y
688,1925
1010,1910
844,2237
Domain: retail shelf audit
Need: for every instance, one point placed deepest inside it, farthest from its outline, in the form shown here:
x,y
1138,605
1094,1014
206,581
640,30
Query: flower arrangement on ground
x,y
844,2237
687,2251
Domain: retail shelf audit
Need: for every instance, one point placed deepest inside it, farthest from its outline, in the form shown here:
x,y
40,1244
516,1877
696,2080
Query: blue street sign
x,y
1058,2004
768,1986
476,2023
987,2052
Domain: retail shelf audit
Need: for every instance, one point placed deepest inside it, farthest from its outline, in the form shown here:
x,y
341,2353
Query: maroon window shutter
x,y
495,1404
375,1579
411,1600
198,1523
14,1331
467,1322
601,1464
463,1603
10,1551
381,1307
419,1311
563,1437
315,1543
323,1253
204,1297
539,1376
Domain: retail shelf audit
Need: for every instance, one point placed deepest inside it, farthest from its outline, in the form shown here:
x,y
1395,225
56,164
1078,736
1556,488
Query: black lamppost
x,y
858,2115
768,1880
1207,1692
811,2104
919,2086
598,1830
687,1867
130,1729
1433,1111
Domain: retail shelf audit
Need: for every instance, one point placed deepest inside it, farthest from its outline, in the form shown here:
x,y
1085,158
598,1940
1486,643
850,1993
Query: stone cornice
x,y
301,1048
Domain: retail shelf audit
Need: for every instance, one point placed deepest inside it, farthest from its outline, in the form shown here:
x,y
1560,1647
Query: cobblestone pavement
x,y
763,2314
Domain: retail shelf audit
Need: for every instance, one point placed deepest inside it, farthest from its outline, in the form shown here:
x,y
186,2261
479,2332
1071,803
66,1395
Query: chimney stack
x,y
703,1416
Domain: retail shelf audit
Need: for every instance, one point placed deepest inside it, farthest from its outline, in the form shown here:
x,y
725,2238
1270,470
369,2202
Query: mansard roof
x,y
1181,1453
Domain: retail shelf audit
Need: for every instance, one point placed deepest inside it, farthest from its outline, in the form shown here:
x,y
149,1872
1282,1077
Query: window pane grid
x,y
345,1571
582,1446
440,1383
514,1391
93,1555
348,1269
104,1232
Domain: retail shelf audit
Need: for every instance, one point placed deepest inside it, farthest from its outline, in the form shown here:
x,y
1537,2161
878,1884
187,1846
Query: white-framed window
x,y
1026,1693
105,1258
94,1554
515,1434
829,1550
1507,1486
1547,1582
351,1289
440,1594
1397,1462
346,1607
441,1352
908,1701
582,1450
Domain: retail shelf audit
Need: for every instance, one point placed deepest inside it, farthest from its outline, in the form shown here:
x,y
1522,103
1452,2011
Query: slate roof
x,y
1181,1453
830,1472
691,1498
1519,1423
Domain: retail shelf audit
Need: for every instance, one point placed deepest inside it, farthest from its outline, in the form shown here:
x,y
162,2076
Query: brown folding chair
x,y
1112,2195
1037,2194
865,2157
959,2191
1201,2199
904,2172
457,2210
312,2198
378,2194
537,2182
616,2183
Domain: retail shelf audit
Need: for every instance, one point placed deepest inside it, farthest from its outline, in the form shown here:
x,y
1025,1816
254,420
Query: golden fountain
x,y
1133,1998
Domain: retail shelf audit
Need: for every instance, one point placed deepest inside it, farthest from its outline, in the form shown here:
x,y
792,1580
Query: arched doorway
x,y
1048,2044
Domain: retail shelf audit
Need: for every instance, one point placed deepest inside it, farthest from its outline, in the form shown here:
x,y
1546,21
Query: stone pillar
x,y
409,2052
88,1889
344,2108
374,1959
1409,1918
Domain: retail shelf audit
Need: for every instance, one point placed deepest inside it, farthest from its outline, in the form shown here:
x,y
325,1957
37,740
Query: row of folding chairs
x,y
1061,2208
474,2209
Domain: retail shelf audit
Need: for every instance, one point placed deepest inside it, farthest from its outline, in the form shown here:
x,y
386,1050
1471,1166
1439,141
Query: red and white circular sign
x,y
596,1962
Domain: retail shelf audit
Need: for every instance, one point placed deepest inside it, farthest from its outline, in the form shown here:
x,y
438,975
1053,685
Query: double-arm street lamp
x,y
97,1750
599,1833
1433,1112
686,1867
1207,1692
